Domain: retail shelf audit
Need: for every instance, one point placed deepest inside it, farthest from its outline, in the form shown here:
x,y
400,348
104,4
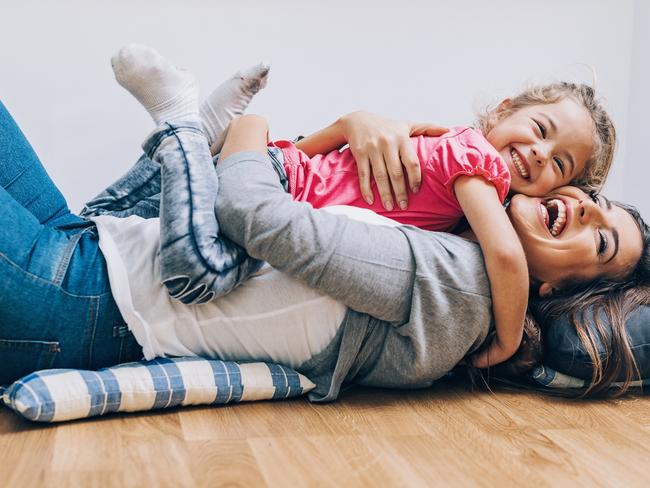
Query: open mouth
x,y
519,164
555,216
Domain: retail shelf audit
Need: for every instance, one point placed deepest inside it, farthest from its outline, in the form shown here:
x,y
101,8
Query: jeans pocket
x,y
19,357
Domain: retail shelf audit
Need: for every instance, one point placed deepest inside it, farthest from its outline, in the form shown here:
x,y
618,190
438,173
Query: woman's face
x,y
568,236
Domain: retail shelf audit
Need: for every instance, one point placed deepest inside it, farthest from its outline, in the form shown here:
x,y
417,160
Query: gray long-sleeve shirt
x,y
418,301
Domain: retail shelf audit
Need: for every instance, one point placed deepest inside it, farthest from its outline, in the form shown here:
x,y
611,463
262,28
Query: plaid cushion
x,y
63,394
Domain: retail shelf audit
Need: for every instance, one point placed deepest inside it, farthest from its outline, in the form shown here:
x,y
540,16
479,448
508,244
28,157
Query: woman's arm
x,y
505,262
394,274
381,147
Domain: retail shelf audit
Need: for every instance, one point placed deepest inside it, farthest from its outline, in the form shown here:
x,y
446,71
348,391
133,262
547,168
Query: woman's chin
x,y
522,212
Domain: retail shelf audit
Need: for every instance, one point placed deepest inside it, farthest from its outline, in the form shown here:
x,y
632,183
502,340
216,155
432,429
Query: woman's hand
x,y
383,145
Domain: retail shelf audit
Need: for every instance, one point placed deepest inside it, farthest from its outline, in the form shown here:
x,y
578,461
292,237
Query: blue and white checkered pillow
x,y
64,394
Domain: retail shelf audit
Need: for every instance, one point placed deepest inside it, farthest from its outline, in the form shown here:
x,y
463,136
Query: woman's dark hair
x,y
606,342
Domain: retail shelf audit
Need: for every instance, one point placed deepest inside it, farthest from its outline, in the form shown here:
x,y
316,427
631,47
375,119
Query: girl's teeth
x,y
518,164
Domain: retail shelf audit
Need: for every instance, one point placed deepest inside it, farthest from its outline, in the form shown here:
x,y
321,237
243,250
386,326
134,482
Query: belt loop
x,y
67,256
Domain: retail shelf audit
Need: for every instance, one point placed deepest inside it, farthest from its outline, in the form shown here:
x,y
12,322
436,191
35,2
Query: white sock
x,y
229,100
168,93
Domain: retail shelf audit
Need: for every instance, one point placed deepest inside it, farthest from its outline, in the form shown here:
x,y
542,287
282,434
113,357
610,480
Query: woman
x,y
57,309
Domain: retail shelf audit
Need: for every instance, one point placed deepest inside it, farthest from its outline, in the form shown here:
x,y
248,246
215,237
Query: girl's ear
x,y
545,290
505,105
499,112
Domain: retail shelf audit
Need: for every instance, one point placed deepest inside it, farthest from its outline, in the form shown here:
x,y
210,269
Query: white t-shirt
x,y
270,317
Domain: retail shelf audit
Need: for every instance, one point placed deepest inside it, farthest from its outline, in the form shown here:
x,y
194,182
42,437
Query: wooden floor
x,y
445,436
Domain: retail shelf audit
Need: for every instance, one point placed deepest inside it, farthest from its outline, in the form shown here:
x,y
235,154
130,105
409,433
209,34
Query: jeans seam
x,y
120,354
198,252
91,325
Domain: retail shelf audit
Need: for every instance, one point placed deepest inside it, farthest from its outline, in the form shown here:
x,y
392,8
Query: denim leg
x,y
22,175
135,193
197,263
138,191
56,308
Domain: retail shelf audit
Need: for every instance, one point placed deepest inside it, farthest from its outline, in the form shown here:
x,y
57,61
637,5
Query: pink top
x,y
332,179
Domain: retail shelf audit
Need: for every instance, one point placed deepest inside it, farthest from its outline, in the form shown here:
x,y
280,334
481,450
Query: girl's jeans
x,y
56,307
176,181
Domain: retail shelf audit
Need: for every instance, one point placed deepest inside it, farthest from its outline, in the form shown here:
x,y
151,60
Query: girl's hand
x,y
384,145
497,352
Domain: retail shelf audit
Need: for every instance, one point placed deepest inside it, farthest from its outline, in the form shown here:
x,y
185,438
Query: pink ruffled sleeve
x,y
466,152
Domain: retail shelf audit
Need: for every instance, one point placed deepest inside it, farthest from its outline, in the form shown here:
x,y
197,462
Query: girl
x,y
538,141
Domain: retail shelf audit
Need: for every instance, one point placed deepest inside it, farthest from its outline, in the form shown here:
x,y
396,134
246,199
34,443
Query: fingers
x,y
382,179
363,168
411,163
383,151
396,176
387,160
427,130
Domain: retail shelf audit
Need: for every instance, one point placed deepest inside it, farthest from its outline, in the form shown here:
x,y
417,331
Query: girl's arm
x,y
380,146
323,141
505,262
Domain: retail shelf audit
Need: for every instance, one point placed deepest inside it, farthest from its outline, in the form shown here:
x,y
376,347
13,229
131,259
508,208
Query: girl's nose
x,y
540,154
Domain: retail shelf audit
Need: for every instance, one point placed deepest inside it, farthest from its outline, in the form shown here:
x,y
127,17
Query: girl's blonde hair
x,y
597,168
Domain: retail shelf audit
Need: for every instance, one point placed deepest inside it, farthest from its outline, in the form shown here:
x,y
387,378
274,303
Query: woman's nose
x,y
589,211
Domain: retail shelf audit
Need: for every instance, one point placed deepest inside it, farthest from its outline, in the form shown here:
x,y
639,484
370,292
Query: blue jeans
x,y
56,307
176,181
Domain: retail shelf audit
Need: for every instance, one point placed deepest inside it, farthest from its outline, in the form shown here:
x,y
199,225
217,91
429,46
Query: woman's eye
x,y
603,243
560,164
594,198
542,129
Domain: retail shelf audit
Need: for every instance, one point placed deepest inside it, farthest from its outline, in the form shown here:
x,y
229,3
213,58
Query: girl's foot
x,y
167,92
229,100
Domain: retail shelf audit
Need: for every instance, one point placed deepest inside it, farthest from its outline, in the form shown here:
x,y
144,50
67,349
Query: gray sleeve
x,y
372,269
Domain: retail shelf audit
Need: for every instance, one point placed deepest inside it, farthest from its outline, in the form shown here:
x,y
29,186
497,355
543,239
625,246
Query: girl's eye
x,y
560,164
542,129
602,248
594,198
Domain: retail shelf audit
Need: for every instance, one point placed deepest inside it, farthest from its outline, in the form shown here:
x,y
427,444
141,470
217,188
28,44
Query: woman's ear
x,y
545,290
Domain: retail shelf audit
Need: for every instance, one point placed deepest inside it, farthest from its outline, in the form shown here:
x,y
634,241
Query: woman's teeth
x,y
518,164
556,216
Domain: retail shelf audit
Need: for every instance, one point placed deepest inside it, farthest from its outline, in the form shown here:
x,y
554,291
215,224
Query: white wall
x,y
422,59
637,162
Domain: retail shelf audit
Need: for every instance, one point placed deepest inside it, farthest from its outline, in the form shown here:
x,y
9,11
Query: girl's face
x,y
544,146
568,236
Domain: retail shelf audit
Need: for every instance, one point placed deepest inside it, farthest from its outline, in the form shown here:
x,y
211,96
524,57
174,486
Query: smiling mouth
x,y
555,216
519,164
